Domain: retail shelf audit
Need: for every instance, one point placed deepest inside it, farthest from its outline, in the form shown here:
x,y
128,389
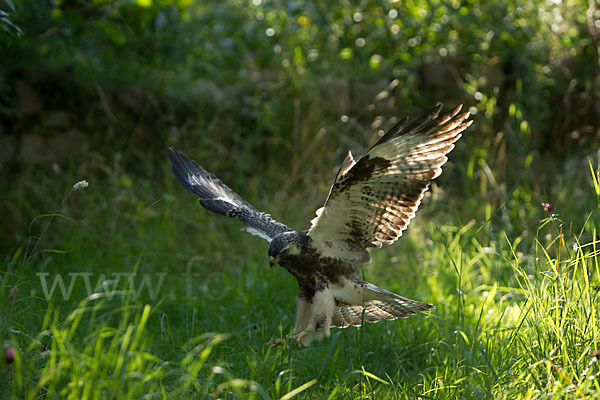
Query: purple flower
x,y
9,355
548,207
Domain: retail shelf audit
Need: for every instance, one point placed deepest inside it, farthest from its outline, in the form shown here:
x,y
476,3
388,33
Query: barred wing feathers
x,y
217,197
372,200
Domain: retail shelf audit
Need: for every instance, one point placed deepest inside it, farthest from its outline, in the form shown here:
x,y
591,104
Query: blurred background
x,y
270,95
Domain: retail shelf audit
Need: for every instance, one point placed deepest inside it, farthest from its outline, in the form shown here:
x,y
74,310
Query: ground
x,y
516,312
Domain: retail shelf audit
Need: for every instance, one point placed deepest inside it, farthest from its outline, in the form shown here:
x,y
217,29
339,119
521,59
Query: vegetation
x,y
126,288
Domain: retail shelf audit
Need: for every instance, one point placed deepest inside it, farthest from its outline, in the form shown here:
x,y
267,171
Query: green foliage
x,y
247,85
8,29
160,299
516,313
528,69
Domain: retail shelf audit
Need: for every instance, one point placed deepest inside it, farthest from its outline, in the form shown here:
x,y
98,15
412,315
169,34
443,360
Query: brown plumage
x,y
371,202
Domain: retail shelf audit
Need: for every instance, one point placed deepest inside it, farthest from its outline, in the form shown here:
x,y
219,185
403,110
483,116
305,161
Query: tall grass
x,y
516,309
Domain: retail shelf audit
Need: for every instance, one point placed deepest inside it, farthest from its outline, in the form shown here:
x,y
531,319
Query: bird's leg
x,y
303,311
323,304
312,318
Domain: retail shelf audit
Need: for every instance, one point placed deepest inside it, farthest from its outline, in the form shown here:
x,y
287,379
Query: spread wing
x,y
373,200
215,196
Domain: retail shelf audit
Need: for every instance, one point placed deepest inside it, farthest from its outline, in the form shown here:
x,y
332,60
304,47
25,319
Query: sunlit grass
x,y
516,311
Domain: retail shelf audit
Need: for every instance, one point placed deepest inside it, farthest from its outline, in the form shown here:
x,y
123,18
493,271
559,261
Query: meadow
x,y
125,288
179,304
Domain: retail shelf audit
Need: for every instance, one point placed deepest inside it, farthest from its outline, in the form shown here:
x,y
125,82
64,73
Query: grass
x,y
516,291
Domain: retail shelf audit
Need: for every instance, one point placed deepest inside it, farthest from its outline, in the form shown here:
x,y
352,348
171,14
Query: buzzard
x,y
371,202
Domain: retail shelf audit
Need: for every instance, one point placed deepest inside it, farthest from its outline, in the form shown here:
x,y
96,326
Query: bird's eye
x,y
271,258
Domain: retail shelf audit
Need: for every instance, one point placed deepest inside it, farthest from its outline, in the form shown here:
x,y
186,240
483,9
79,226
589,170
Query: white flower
x,y
81,185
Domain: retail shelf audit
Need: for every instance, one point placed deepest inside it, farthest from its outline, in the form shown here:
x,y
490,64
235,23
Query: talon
x,y
285,340
277,342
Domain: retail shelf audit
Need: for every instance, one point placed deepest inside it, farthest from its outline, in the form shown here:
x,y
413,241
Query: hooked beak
x,y
272,261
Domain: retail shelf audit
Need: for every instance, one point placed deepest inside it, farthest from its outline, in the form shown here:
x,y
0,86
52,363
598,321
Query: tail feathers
x,y
382,305
376,310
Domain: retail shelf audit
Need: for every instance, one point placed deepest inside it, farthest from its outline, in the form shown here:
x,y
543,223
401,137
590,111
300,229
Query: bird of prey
x,y
371,202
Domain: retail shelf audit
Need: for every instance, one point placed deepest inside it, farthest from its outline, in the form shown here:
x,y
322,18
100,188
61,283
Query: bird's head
x,y
284,245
